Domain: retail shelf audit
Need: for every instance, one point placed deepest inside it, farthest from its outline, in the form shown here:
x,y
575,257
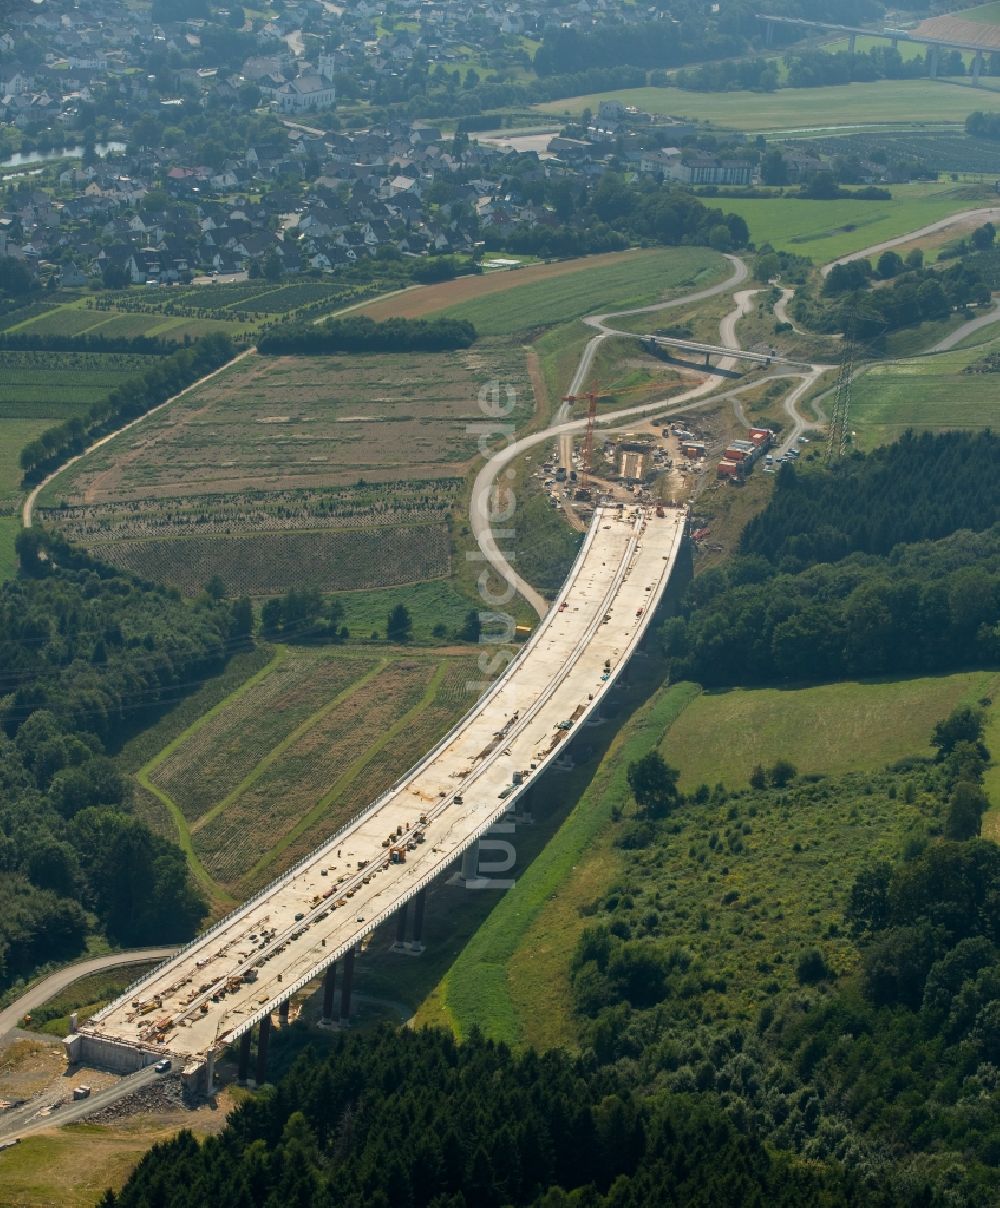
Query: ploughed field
x,y
336,473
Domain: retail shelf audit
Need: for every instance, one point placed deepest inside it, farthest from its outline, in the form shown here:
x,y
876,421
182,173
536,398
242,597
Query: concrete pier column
x,y
934,62
283,1013
209,1073
418,920
977,67
263,1036
894,43
851,41
769,33
346,986
470,862
401,923
329,986
244,1059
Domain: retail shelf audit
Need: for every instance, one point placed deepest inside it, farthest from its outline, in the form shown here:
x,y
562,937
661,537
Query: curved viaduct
x,y
214,991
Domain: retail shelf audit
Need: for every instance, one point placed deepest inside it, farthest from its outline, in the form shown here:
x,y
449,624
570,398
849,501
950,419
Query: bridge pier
x,y
769,33
468,869
977,67
243,1070
347,986
283,1013
419,902
851,42
263,1036
329,988
209,1073
707,361
934,62
894,43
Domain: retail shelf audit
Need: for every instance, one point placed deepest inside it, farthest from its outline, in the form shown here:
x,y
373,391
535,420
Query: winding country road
x,y
50,986
986,213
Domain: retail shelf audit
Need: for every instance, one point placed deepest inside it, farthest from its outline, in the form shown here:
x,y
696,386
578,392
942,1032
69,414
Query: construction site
x,y
230,980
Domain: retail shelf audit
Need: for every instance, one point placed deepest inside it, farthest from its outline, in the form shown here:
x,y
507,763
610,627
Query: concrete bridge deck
x,y
252,961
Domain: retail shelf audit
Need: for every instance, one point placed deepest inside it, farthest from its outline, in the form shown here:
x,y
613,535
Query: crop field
x,y
302,422
263,564
652,276
906,102
941,151
930,393
59,385
829,729
825,230
297,749
77,318
242,300
364,446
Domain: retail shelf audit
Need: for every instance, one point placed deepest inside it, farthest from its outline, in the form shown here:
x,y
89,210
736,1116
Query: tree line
x,y
132,399
929,607
24,341
913,294
920,488
361,334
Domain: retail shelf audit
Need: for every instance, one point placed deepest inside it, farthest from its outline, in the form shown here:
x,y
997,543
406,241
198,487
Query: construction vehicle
x,y
397,855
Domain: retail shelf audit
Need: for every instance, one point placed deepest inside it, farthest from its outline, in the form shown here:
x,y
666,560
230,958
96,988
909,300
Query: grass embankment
x,y
73,1166
797,866
907,102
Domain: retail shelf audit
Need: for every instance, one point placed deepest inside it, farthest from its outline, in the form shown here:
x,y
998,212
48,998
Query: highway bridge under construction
x,y
229,981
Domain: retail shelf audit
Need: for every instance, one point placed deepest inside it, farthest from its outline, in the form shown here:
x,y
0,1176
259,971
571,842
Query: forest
x,y
871,1086
361,334
879,565
88,657
402,1118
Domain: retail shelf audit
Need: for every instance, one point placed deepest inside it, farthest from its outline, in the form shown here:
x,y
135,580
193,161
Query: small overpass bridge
x,y
227,983
893,36
719,350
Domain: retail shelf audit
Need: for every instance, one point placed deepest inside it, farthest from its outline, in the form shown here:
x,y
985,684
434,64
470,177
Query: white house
x,y
306,94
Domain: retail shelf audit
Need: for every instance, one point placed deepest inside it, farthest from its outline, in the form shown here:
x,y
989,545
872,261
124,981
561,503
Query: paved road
x,y
50,986
985,214
958,335
604,332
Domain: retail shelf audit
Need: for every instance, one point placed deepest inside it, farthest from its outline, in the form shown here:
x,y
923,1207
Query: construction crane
x,y
587,461
591,397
